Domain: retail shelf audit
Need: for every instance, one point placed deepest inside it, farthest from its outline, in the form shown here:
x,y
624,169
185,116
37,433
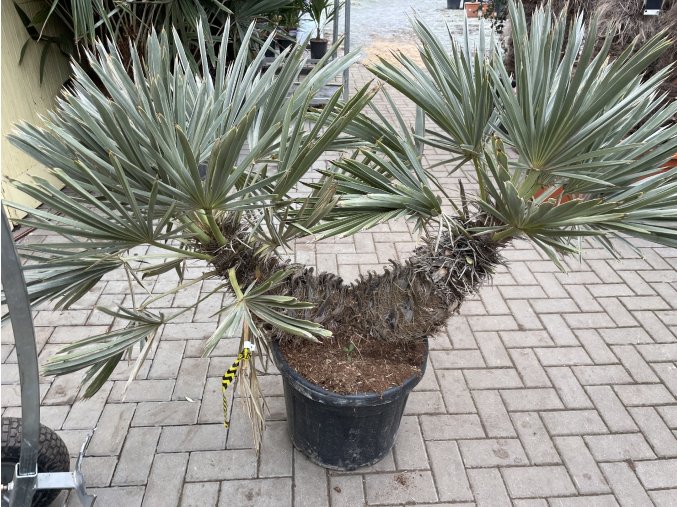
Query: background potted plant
x,y
472,9
288,21
321,12
135,184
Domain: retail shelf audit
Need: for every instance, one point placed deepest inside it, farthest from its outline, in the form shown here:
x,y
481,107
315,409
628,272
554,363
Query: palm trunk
x,y
407,301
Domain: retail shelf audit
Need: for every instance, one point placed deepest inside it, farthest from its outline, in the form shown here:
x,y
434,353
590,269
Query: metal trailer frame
x,y
346,41
27,480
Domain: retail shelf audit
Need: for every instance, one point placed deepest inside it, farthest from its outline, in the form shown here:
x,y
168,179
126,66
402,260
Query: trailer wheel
x,y
52,456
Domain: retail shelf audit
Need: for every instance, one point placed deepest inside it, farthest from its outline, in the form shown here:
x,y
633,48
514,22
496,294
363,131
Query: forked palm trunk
x,y
408,301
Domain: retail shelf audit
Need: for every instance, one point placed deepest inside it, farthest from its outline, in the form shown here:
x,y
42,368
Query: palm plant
x,y
321,12
130,23
159,160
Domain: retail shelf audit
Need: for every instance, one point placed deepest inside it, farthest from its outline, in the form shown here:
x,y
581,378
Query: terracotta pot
x,y
472,9
556,194
670,163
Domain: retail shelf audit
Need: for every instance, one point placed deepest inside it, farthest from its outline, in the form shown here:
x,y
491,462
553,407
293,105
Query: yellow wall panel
x,y
24,98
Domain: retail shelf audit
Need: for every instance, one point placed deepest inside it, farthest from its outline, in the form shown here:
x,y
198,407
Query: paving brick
x,y
574,422
259,493
658,352
664,497
625,336
562,356
61,318
400,487
619,447
658,331
488,487
191,380
524,314
166,480
535,439
63,390
611,409
602,374
669,414
346,490
658,474
496,378
449,472
97,470
424,402
638,368
493,414
620,315
530,502
165,413
202,437
221,465
310,483
568,388
492,453
188,331
142,390
531,399
443,359
111,430
591,320
581,465
668,374
584,501
493,300
644,394
583,298
137,457
532,338
409,450
595,346
73,439
276,451
495,323
448,427
129,496
459,332
530,370
554,305
541,481
559,330
493,350
624,483
656,432
85,413
455,392
167,359
200,494
644,303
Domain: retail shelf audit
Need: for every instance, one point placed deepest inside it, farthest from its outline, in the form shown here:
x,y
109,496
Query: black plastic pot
x,y
318,48
454,4
342,432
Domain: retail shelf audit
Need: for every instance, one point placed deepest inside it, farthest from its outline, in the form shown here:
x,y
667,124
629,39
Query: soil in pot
x,y
350,366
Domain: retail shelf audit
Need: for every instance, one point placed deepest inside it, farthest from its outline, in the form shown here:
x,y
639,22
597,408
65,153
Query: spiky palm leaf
x,y
577,123
157,159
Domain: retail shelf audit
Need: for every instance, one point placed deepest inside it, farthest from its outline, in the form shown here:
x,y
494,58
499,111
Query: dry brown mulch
x,y
346,366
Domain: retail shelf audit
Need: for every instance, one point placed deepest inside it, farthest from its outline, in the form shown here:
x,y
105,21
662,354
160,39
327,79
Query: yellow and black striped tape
x,y
229,376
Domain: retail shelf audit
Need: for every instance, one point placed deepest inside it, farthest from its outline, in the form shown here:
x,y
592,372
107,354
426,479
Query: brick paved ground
x,y
549,389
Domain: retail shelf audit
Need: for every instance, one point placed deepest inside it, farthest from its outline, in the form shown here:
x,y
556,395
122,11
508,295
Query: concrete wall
x,y
24,98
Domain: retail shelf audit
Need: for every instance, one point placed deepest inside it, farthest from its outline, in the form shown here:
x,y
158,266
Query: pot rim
x,y
323,395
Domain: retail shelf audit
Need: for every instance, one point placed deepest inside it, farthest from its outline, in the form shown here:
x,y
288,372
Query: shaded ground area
x,y
549,389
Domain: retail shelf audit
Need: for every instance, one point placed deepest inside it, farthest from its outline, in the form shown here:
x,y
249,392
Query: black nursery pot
x,y
318,48
342,432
